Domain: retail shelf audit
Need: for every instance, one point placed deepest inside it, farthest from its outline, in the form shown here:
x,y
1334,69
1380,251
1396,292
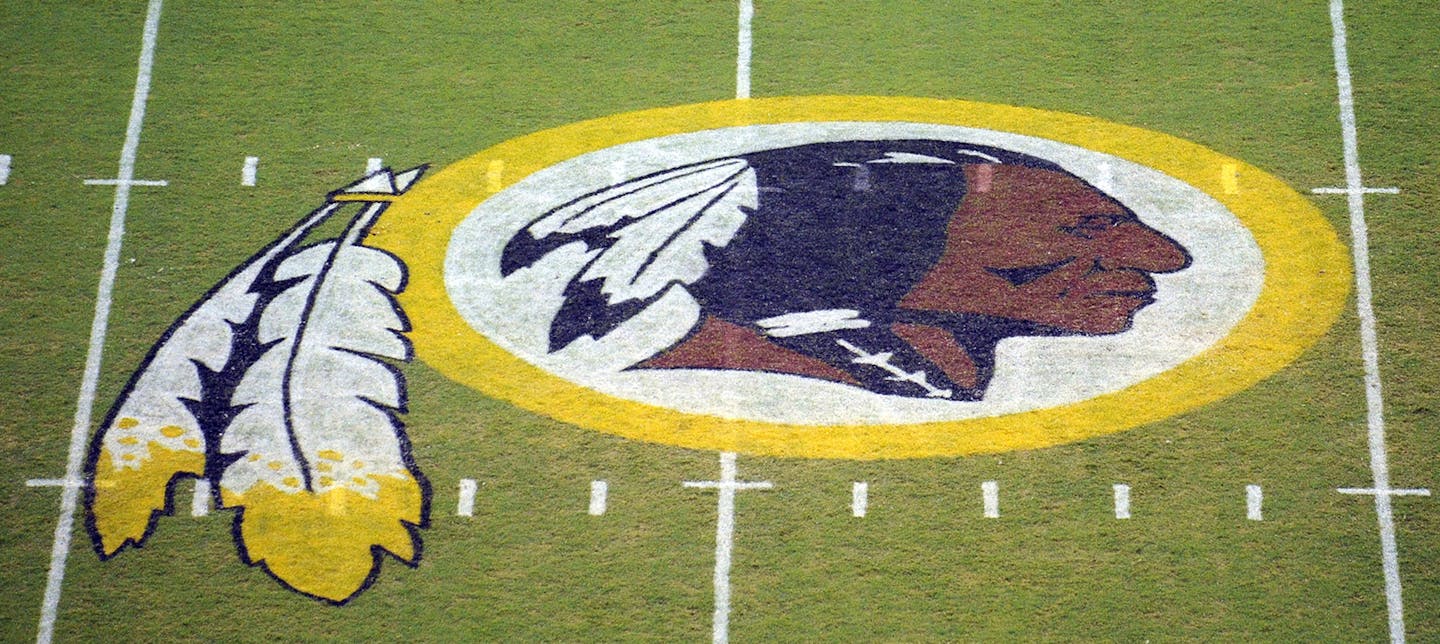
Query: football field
x,y
1272,489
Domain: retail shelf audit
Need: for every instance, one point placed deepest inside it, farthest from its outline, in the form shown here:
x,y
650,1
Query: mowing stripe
x,y
598,491
247,172
465,507
200,502
78,432
742,55
1122,501
990,491
859,498
4,169
1364,305
1254,499
725,538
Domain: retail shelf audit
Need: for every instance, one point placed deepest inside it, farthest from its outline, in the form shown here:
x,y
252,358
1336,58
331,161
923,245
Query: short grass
x,y
314,90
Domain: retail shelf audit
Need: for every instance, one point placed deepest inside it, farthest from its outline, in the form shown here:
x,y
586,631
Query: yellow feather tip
x,y
125,497
319,544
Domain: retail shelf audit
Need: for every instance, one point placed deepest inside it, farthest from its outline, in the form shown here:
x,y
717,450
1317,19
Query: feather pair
x,y
278,387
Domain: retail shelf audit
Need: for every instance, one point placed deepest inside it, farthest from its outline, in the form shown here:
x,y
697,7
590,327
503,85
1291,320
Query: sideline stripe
x,y
1254,500
742,56
859,498
465,507
1364,305
98,326
4,169
990,490
598,491
1122,501
248,171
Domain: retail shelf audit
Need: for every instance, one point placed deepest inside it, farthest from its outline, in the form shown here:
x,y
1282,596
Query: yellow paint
x,y
366,197
290,481
127,423
319,552
128,440
323,466
171,431
326,481
1306,282
253,457
125,497
330,455
1229,179
275,465
192,443
358,464
494,176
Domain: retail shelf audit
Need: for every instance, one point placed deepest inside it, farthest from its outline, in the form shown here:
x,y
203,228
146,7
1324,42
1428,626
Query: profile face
x,y
1037,245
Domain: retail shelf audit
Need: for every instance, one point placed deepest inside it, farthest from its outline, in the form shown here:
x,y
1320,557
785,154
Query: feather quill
x,y
153,434
321,471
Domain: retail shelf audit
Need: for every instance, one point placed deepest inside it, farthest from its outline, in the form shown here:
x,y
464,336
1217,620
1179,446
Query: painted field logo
x,y
861,277
821,277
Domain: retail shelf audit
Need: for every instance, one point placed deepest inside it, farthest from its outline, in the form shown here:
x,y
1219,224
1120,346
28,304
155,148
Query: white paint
x,y
200,502
882,360
373,165
249,170
1390,492
1374,400
1122,501
64,526
1195,307
725,537
1254,500
465,507
1105,178
793,324
599,490
859,498
54,483
742,55
990,491
1345,191
125,182
4,169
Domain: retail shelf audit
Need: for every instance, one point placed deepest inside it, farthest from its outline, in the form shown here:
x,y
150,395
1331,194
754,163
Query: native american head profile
x,y
895,266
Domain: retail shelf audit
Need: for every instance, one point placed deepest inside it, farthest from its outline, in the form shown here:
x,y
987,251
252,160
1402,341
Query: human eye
x,y
1088,226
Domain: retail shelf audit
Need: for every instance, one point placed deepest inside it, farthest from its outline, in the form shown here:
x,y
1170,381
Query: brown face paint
x,y
1042,246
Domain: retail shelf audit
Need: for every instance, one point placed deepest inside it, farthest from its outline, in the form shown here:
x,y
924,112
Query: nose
x,y
1134,245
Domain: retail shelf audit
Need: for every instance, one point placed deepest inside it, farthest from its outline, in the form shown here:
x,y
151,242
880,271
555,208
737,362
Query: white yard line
x,y
599,491
465,505
1364,305
742,54
81,429
4,169
1254,503
1122,501
249,171
990,495
859,499
725,537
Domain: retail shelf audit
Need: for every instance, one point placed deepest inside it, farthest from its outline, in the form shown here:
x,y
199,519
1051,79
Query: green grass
x,y
314,91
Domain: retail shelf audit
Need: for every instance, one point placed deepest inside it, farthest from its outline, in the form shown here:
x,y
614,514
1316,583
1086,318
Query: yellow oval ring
x,y
1306,282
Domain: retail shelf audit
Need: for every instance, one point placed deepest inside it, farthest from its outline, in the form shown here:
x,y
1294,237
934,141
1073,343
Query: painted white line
x,y
1391,492
617,171
4,169
373,165
465,507
65,524
249,170
1369,344
55,483
200,502
859,498
742,55
125,182
725,537
1346,191
1122,501
599,490
990,491
1254,502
